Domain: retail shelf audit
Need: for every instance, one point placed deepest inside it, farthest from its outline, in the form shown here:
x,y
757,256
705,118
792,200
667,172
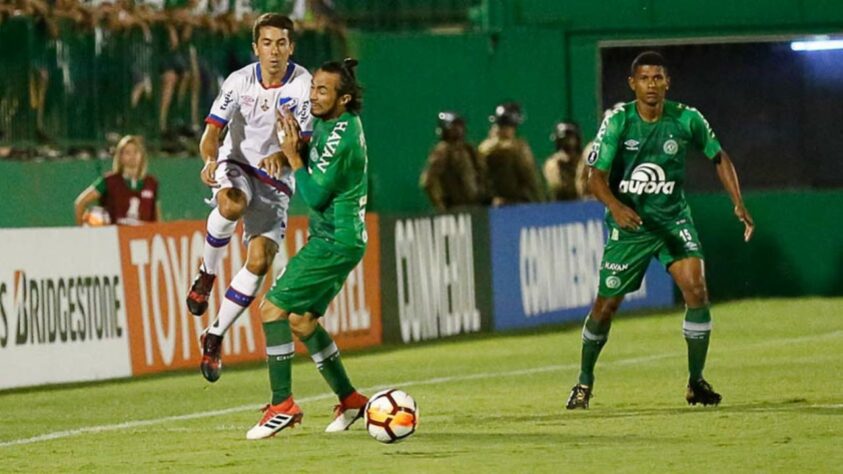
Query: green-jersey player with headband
x,y
331,178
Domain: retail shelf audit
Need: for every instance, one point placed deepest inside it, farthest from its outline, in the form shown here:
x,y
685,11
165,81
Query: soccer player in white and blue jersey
x,y
248,174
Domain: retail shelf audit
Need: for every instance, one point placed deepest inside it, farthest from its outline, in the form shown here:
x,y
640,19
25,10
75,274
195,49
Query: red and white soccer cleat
x,y
200,290
349,410
211,364
275,418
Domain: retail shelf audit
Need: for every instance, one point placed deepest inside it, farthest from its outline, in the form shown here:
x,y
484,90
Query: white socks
x,y
219,231
238,297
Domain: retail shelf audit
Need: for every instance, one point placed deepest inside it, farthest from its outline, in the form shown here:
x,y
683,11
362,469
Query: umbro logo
x,y
631,145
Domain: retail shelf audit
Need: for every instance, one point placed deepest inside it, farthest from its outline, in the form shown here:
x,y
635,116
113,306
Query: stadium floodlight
x,y
820,43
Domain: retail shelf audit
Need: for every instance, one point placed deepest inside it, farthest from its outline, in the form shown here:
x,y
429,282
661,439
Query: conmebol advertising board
x,y
546,262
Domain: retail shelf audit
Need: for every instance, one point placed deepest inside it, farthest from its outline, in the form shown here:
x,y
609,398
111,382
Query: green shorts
x,y
627,255
313,277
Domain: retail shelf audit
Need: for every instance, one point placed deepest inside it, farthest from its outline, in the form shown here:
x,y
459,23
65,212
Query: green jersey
x,y
334,183
646,161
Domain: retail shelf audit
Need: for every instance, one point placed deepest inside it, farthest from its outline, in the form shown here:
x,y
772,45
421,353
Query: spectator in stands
x,y
128,194
510,170
43,57
176,69
451,177
560,169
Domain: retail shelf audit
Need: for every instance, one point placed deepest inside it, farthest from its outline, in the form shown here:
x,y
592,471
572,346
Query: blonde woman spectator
x,y
127,194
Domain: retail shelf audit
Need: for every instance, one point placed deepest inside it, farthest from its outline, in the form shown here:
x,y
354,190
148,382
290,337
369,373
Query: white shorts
x,y
267,198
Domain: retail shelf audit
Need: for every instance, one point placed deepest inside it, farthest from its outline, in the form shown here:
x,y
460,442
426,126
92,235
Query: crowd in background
x,y
150,67
502,170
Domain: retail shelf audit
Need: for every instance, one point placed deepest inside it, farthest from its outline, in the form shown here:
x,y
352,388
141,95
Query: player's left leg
x,y
689,275
622,269
324,352
239,295
282,411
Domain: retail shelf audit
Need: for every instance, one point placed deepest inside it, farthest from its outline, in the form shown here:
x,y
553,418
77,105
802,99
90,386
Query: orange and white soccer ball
x,y
391,416
96,216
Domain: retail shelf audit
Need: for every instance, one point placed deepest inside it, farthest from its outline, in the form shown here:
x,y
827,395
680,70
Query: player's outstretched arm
x,y
729,177
624,215
209,148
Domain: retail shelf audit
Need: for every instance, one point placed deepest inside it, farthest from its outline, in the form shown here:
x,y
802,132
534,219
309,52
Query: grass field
x,y
488,404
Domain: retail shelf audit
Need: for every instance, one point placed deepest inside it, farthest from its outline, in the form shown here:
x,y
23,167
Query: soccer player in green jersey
x,y
332,182
638,172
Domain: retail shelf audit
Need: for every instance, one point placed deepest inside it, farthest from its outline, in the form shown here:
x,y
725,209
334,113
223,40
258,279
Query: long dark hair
x,y
348,82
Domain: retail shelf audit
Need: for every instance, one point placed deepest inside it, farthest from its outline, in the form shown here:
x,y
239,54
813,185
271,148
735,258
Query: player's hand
x,y
626,217
292,137
208,172
273,164
748,224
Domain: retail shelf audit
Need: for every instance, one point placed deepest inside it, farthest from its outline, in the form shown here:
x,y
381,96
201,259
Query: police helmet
x,y
508,113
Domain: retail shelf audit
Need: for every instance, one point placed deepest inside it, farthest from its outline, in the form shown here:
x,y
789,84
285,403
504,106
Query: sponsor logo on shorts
x,y
647,178
671,147
631,145
613,282
615,267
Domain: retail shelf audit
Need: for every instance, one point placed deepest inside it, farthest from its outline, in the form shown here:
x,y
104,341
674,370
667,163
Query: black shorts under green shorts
x,y
313,277
627,255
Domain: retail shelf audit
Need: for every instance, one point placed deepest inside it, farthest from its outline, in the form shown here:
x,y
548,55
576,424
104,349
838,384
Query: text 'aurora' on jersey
x,y
647,178
645,161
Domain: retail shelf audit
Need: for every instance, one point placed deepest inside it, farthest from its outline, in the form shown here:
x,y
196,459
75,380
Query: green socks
x,y
324,352
594,336
697,329
279,357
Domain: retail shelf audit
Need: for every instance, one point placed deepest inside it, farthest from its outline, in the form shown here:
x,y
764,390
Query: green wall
x,y
409,78
797,248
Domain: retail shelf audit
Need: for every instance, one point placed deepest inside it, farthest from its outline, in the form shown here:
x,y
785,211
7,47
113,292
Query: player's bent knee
x,y
302,326
259,267
605,309
261,255
232,204
696,295
270,312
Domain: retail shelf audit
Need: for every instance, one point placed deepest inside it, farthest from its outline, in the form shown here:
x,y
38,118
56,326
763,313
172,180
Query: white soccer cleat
x,y
349,410
276,418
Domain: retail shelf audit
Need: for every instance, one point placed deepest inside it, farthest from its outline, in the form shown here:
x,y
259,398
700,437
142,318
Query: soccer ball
x,y
391,416
96,216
